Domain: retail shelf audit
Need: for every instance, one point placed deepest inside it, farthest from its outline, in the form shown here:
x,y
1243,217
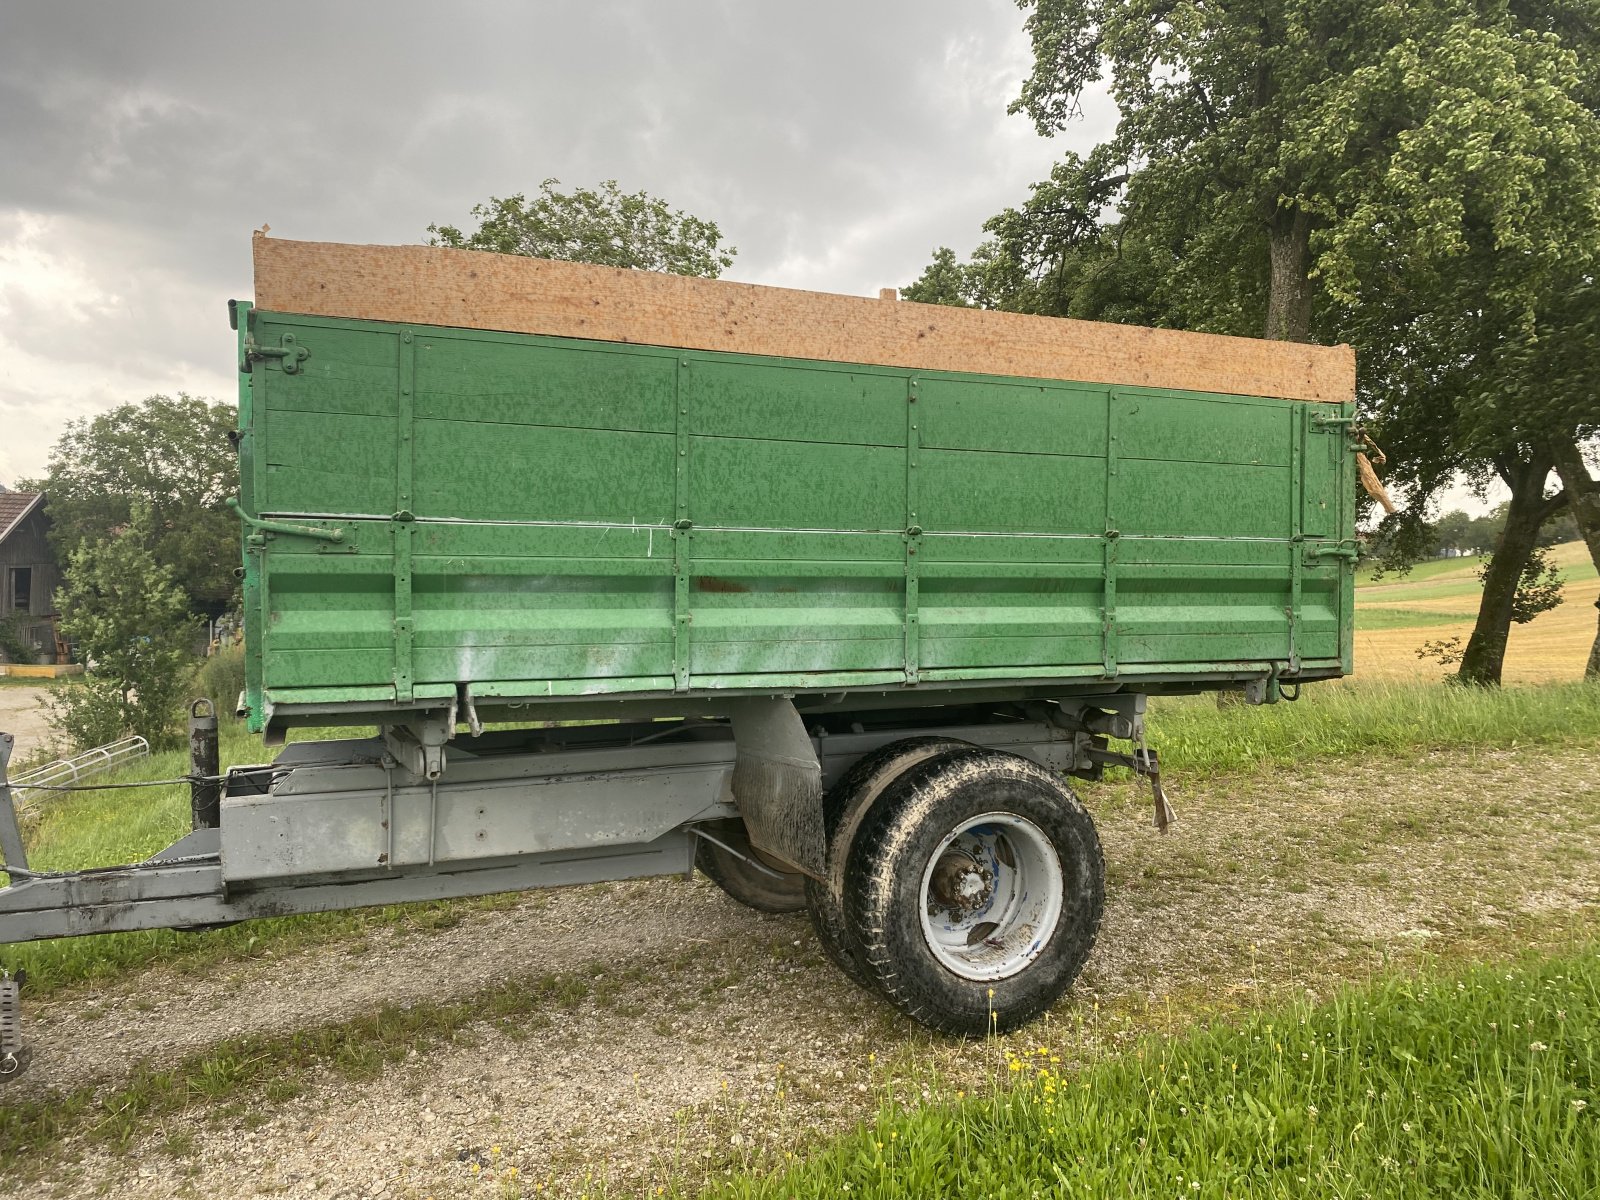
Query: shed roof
x,y
14,507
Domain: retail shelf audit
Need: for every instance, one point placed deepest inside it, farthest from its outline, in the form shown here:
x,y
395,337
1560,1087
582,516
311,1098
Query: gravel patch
x,y
22,715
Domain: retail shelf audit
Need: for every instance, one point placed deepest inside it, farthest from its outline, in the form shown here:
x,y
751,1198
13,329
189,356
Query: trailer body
x,y
537,519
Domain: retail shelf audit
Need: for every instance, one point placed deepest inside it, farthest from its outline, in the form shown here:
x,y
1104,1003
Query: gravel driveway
x,y
21,714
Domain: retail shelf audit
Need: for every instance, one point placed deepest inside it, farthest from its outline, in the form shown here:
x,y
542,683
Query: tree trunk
x,y
1484,657
1289,296
1583,499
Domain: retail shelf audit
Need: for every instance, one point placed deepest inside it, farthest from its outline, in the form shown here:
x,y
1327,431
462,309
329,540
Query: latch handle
x,y
290,352
1339,550
310,531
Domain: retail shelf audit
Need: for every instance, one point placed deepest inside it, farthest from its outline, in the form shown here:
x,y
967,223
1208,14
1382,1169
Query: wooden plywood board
x,y
431,285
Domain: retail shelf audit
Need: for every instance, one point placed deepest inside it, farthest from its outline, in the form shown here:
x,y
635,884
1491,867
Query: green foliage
x,y
605,226
13,644
1401,544
1444,651
131,622
220,679
943,281
1478,1085
171,458
88,712
1538,588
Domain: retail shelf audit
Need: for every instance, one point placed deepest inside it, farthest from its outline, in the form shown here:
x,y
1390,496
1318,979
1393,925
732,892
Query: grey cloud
x,y
836,143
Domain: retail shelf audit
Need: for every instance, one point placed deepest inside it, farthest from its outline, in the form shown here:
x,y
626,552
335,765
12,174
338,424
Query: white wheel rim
x,y
991,896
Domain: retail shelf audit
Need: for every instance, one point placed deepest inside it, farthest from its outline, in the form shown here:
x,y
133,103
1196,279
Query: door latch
x,y
289,354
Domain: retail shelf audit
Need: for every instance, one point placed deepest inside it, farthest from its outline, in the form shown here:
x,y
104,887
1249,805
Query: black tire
x,y
887,891
749,886
844,806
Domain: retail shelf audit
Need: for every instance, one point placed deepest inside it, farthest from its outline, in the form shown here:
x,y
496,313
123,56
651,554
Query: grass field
x,y
1438,600
1481,1084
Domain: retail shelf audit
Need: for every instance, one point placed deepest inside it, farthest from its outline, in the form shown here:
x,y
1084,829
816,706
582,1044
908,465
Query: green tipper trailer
x,y
825,594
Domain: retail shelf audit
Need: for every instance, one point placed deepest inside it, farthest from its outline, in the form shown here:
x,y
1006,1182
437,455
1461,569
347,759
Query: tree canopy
x,y
172,459
603,225
1420,179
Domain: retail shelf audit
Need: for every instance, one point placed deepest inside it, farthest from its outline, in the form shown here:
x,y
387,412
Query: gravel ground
x,y
723,1040
20,714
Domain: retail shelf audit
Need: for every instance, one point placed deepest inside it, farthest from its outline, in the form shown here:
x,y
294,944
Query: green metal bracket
x,y
256,523
290,353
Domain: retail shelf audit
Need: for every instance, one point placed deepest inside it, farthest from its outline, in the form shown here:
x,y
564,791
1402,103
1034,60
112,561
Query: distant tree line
x,y
1458,533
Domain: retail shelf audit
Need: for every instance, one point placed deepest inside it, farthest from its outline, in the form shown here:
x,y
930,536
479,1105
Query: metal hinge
x,y
290,353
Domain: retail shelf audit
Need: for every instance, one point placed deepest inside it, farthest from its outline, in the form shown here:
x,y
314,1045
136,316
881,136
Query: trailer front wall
x,y
543,516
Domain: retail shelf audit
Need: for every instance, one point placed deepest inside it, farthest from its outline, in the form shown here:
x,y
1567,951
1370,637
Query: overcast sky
x,y
837,144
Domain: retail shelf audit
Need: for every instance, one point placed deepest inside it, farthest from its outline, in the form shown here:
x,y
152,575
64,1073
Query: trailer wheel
x,y
975,891
736,876
844,806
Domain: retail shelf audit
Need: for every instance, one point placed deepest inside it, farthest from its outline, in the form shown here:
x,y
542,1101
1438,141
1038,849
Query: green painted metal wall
x,y
547,517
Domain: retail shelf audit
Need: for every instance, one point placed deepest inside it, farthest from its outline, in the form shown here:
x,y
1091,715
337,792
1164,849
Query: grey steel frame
x,y
334,825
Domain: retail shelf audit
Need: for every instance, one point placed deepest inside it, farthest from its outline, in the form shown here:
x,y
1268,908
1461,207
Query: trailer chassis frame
x,y
345,824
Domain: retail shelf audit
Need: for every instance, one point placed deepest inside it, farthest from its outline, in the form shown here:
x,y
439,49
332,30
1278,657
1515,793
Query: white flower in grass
x,y
1537,1047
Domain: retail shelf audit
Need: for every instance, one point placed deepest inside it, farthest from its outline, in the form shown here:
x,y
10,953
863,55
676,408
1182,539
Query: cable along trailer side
x,y
829,597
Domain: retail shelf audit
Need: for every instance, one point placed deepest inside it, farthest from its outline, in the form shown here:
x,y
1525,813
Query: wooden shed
x,y
29,573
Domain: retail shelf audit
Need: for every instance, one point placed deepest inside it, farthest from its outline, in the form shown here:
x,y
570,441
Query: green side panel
x,y
552,517
783,402
960,414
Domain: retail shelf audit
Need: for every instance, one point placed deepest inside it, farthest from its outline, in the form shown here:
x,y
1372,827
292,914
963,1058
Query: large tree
x,y
1420,179
173,460
601,225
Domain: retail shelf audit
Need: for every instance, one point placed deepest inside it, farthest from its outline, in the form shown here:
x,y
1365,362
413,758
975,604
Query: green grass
x,y
1420,571
1438,589
1483,1084
1378,617
1579,568
1330,720
1438,578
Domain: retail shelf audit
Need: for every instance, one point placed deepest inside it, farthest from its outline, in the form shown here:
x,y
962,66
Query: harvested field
x,y
1395,616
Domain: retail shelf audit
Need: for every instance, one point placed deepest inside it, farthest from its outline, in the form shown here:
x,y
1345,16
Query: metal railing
x,y
75,769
